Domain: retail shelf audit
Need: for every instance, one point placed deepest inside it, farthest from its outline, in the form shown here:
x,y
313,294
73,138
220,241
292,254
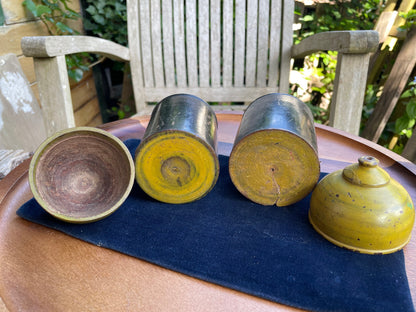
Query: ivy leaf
x,y
411,109
76,74
64,28
108,13
120,7
91,10
99,19
88,25
407,93
31,6
403,123
42,9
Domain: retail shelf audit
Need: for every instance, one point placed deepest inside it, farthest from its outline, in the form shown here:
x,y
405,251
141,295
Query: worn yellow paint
x,y
274,167
363,209
176,167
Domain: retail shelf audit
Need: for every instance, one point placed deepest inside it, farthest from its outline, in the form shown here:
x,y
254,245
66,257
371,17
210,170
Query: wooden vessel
x,y
46,270
361,208
176,162
275,157
81,174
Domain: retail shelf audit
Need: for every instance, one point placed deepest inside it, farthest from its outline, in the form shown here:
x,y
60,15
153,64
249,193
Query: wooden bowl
x,y
81,174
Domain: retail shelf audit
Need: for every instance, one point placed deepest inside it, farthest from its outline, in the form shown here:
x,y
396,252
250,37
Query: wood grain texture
x,y
168,56
146,43
346,114
227,43
239,43
191,43
203,43
215,38
51,46
286,26
87,113
274,70
251,44
361,41
263,44
157,43
179,41
46,270
54,93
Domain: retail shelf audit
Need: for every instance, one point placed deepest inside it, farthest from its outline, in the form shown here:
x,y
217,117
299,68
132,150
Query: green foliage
x,y
371,97
319,114
339,15
121,111
326,71
1,15
107,19
405,123
410,20
54,14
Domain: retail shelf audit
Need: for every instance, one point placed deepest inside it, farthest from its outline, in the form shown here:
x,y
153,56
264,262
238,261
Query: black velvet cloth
x,y
267,251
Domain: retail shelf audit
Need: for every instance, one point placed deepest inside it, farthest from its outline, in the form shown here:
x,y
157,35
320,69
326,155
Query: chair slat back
x,y
219,50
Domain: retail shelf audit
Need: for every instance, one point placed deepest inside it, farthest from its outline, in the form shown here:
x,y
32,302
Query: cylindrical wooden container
x,y
176,162
274,159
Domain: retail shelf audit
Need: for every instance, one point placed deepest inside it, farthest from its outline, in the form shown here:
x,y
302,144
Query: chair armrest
x,y
51,46
355,41
48,54
354,49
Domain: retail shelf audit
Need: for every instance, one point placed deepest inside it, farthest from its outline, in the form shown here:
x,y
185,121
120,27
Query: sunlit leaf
x,y
307,18
31,6
42,9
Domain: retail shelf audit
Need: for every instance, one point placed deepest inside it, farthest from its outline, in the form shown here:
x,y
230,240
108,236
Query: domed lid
x,y
366,173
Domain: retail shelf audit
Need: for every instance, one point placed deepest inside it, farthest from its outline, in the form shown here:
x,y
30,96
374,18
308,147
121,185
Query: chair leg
x,y
349,91
55,93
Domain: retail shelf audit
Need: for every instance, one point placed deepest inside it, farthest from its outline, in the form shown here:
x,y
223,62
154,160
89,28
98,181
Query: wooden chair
x,y
233,53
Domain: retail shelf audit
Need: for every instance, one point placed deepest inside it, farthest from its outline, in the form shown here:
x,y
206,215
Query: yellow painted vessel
x,y
176,162
363,209
274,160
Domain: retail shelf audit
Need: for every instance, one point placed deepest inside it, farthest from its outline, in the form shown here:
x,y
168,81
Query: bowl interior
x,y
82,175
